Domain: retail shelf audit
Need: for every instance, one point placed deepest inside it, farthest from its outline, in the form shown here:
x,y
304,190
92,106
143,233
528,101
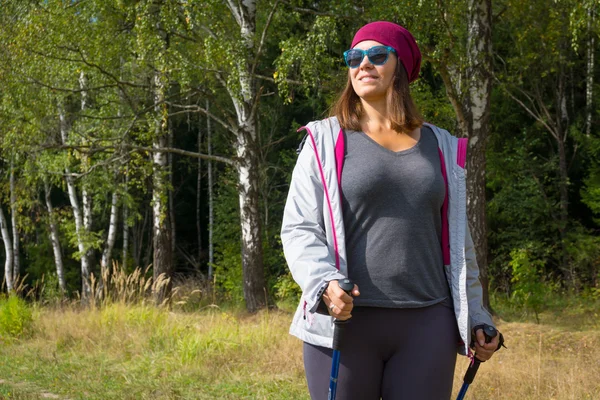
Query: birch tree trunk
x,y
247,160
469,91
162,264
479,53
112,235
86,194
77,214
162,251
252,256
15,227
55,240
8,262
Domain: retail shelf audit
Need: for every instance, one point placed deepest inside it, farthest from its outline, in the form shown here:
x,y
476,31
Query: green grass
x,y
142,352
568,311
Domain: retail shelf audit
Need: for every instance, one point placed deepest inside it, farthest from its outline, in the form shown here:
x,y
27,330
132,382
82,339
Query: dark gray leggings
x,y
389,353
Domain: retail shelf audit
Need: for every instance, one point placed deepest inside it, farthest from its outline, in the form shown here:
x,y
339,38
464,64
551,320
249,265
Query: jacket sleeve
x,y
303,234
477,313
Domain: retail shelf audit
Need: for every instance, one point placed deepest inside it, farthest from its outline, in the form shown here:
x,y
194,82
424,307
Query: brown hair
x,y
403,112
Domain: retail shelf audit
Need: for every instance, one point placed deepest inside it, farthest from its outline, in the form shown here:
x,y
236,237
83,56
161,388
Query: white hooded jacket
x,y
313,232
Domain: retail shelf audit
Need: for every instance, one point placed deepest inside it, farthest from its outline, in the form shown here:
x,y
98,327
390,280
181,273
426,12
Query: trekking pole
x,y
346,285
490,332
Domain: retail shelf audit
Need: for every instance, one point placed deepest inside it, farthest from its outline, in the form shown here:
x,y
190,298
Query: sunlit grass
x,y
129,351
125,349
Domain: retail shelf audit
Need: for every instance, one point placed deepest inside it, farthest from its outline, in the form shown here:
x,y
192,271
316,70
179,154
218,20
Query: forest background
x,y
146,149
161,135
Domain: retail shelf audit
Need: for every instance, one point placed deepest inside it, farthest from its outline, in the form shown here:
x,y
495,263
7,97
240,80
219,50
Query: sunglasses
x,y
378,55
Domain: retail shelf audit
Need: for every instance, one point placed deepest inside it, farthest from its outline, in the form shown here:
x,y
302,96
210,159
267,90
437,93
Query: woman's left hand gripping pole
x,y
338,332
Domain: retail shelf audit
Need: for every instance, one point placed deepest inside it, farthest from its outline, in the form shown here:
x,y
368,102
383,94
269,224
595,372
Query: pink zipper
x,y
445,224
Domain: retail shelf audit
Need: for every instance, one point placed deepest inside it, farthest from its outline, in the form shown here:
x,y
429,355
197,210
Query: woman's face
x,y
371,82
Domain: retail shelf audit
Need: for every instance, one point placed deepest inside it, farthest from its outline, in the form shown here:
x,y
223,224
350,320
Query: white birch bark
x,y
479,54
162,252
161,241
112,234
8,262
87,209
86,195
15,227
84,94
77,214
469,91
55,240
247,160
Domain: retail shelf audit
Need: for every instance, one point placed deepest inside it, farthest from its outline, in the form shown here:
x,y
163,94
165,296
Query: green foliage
x,y
199,54
228,271
590,192
16,317
583,248
530,290
433,103
228,258
523,198
41,269
287,290
50,290
299,52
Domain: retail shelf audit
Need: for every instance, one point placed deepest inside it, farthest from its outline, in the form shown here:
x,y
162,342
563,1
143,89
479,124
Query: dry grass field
x,y
143,352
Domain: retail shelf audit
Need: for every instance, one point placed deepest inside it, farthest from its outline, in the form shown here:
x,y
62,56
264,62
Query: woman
x,y
379,197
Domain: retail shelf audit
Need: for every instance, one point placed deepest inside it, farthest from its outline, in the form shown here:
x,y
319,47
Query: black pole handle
x,y
346,285
471,372
490,332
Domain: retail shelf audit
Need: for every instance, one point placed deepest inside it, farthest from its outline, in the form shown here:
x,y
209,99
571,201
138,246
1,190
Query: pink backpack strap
x,y
461,156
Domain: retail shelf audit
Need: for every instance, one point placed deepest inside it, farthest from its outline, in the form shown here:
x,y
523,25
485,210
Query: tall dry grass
x,y
541,362
128,348
140,351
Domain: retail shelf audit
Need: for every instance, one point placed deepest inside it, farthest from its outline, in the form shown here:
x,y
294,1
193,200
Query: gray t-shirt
x,y
392,216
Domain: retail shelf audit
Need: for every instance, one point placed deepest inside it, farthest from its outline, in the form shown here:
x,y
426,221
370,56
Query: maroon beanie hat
x,y
397,37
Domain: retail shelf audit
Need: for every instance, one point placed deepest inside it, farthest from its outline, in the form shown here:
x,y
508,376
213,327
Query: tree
x,y
543,88
232,54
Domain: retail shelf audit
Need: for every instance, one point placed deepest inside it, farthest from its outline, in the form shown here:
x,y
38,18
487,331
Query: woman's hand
x,y
484,351
338,302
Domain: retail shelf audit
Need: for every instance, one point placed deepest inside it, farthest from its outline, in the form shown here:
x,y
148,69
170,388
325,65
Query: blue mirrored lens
x,y
377,55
